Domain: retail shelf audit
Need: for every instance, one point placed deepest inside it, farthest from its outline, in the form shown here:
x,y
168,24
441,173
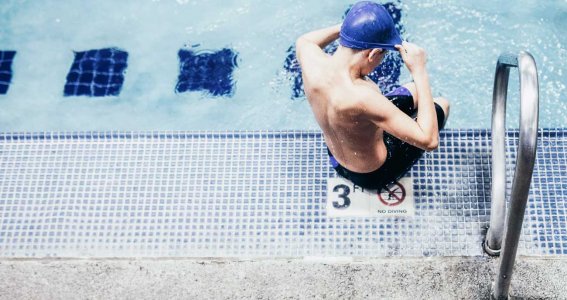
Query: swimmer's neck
x,y
346,60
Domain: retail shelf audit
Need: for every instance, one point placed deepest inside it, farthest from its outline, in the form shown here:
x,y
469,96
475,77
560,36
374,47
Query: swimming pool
x,y
173,50
115,81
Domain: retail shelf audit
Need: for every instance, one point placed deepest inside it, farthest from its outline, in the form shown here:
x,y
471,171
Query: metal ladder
x,y
503,240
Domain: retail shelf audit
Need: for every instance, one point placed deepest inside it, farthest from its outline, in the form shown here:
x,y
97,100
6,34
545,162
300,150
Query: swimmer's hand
x,y
414,56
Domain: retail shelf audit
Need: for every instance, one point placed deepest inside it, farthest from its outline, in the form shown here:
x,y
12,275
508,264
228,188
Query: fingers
x,y
402,50
405,45
410,47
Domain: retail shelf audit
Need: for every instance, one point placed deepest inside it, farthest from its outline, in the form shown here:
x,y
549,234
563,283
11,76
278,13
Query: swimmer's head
x,y
368,25
366,59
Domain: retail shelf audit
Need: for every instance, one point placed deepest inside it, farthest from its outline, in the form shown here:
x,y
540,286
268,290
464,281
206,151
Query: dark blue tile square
x,y
120,56
105,53
79,56
183,86
87,65
92,54
103,66
5,77
97,73
113,90
69,89
84,90
100,91
5,65
101,79
118,68
207,71
86,78
7,55
73,77
3,88
117,80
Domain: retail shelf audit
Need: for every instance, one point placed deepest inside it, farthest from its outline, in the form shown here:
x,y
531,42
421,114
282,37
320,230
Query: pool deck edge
x,y
400,278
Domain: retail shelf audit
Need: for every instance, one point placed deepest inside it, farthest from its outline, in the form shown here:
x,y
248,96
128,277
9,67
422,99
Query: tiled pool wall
x,y
251,194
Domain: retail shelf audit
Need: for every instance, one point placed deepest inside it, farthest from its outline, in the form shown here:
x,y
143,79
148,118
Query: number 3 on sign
x,y
342,191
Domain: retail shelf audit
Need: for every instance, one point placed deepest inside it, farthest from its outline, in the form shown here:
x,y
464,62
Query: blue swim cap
x,y
368,25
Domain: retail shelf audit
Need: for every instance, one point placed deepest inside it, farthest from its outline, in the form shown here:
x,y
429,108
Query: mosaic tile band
x,y
251,194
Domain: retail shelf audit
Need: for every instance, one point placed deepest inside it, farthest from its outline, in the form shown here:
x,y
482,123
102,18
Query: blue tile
x,y
86,78
208,71
73,76
69,89
91,70
100,91
117,80
101,79
87,66
104,65
5,77
83,90
7,55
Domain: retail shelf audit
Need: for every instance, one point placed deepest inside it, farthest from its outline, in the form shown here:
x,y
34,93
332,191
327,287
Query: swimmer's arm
x,y
426,115
321,38
394,121
415,59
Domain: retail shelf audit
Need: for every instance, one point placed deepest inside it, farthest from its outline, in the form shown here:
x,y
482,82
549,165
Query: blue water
x,y
216,65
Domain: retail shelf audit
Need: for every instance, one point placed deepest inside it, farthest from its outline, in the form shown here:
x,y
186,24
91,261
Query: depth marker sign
x,y
393,195
344,199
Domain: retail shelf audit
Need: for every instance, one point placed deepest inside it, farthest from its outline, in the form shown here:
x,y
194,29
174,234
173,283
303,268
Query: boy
x,y
372,138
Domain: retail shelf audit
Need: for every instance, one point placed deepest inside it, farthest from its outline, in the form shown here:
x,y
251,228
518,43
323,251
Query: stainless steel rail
x,y
525,159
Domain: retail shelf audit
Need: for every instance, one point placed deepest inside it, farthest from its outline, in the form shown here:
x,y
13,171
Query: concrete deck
x,y
393,278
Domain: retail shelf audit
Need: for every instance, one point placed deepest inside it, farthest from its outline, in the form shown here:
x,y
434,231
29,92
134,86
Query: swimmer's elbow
x,y
300,42
299,45
432,145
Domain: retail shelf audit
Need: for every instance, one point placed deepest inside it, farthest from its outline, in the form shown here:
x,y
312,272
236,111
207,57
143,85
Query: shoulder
x,y
311,57
370,101
353,101
314,64
367,93
317,76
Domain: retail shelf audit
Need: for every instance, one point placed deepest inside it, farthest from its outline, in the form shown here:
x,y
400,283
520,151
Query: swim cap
x,y
368,25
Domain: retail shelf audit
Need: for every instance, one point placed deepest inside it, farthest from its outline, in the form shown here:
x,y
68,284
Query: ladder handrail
x,y
502,240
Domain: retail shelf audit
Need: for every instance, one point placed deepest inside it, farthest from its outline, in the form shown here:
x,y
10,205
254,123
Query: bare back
x,y
352,112
336,100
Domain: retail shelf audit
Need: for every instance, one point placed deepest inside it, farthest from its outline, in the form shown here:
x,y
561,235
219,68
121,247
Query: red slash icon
x,y
392,195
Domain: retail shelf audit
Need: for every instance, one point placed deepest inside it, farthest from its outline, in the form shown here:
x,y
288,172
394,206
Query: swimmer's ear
x,y
372,54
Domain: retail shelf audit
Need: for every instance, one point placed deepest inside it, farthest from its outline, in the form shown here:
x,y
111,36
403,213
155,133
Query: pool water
x,y
229,65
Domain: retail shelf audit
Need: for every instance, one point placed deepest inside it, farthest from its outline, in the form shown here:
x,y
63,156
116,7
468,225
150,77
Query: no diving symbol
x,y
392,195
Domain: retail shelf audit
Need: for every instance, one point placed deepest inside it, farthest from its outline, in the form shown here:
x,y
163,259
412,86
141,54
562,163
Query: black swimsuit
x,y
401,155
